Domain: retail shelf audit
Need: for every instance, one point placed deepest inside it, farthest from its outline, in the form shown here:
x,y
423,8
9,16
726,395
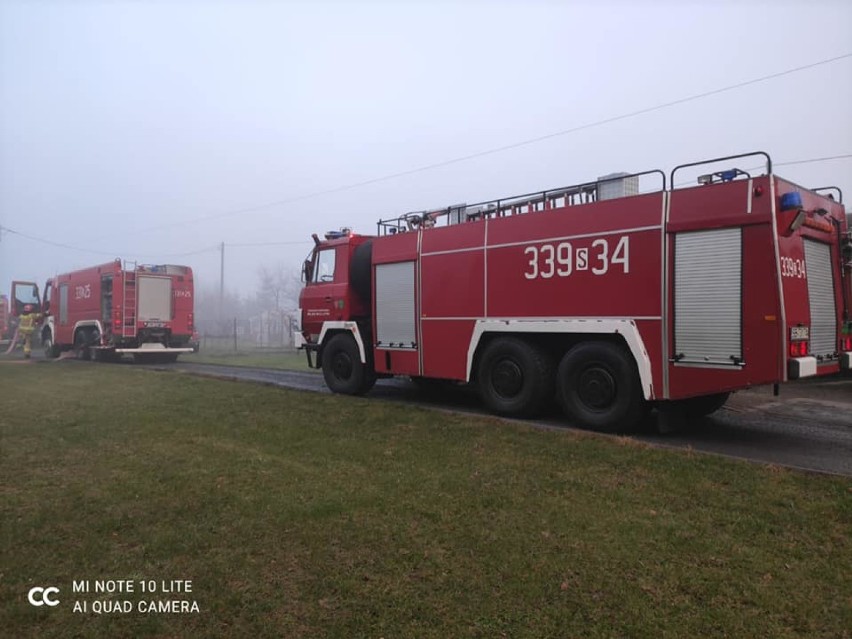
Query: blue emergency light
x,y
790,201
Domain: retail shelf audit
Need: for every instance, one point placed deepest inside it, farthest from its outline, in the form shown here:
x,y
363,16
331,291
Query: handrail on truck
x,y
723,159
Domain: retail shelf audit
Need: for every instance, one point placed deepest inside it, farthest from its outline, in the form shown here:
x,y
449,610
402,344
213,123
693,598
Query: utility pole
x,y
2,274
221,279
222,274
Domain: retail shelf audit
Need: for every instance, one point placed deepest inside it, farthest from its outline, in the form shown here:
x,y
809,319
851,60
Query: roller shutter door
x,y
708,297
395,322
821,298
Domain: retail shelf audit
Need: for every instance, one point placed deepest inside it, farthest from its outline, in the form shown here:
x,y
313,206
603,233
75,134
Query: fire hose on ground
x,y
12,343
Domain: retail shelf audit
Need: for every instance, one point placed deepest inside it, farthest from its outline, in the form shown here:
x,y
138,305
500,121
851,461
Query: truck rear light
x,y
189,321
846,343
799,349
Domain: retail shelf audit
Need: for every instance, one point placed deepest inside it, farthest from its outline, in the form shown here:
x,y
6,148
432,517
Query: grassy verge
x,y
293,361
301,515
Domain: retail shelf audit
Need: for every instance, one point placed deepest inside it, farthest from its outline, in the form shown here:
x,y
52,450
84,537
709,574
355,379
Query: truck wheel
x,y
599,388
51,351
515,378
342,368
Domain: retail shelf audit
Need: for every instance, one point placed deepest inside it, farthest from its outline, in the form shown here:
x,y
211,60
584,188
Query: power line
x,y
51,242
825,159
464,158
208,249
293,243
507,147
42,240
790,163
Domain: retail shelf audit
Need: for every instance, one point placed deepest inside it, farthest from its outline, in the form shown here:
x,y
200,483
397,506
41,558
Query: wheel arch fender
x,y
624,329
47,328
330,329
87,324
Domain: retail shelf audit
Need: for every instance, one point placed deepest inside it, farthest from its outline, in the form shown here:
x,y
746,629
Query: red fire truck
x,y
112,309
610,300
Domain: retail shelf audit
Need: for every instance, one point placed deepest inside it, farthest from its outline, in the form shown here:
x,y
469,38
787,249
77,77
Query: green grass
x,y
286,360
303,515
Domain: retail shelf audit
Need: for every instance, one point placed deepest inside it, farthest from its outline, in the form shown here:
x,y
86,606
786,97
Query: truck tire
x,y
342,368
515,378
599,388
51,350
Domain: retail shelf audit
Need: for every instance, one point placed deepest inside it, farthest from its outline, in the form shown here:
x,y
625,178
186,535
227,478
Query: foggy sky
x,y
120,124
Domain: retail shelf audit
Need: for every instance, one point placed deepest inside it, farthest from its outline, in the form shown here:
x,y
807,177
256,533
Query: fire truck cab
x,y
608,299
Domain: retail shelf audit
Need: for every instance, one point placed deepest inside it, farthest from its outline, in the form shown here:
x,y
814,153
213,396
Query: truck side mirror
x,y
307,271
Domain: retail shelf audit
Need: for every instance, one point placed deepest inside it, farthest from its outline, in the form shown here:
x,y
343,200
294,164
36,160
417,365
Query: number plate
x,y
799,332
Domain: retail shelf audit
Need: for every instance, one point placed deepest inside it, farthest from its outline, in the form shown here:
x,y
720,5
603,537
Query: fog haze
x,y
156,131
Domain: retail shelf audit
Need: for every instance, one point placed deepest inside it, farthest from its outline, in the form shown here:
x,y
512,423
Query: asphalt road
x,y
809,426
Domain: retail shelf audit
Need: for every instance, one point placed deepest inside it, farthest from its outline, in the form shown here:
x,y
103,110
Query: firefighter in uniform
x,y
26,327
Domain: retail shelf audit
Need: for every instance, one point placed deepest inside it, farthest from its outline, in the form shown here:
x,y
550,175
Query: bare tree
x,y
278,288
207,310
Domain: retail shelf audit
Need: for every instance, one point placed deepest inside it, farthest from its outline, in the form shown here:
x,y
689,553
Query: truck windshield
x,y
26,293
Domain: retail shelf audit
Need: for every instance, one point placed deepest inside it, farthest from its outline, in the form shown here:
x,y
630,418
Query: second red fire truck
x,y
114,309
610,300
